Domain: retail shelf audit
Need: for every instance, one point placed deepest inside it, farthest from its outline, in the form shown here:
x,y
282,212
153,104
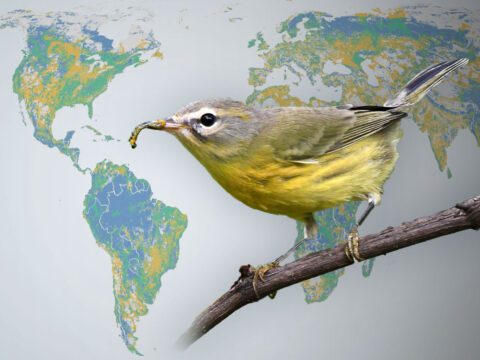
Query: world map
x,y
360,58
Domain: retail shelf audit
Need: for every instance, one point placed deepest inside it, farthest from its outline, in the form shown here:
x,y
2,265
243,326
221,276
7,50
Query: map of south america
x,y
140,234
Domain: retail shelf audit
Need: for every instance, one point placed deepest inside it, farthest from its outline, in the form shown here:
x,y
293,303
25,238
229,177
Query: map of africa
x,y
360,58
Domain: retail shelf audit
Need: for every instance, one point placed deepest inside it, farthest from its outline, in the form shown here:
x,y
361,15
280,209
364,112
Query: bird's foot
x,y
352,248
260,275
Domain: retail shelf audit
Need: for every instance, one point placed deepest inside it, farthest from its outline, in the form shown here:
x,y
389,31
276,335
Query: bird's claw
x,y
260,275
352,248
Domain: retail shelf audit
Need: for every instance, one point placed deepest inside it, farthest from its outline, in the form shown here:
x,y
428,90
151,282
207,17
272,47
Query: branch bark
x,y
463,216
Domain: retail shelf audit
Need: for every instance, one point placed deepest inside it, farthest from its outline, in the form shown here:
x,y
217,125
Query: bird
x,y
295,161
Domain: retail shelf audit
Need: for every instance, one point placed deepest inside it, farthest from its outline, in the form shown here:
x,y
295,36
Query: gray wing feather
x,y
367,123
301,134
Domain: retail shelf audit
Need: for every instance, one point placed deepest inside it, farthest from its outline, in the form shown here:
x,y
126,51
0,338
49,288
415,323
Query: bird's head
x,y
212,129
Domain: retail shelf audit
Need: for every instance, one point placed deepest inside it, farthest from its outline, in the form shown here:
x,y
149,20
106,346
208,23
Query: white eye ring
x,y
208,120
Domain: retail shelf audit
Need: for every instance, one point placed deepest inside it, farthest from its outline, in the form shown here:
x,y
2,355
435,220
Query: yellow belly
x,y
296,190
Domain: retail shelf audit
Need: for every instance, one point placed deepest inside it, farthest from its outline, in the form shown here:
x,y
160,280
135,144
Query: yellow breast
x,y
297,189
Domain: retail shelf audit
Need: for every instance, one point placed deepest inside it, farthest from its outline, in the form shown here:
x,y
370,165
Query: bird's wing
x,y
303,134
368,121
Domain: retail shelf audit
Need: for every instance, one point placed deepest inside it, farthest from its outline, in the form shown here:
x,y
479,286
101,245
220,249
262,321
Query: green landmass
x,y
140,234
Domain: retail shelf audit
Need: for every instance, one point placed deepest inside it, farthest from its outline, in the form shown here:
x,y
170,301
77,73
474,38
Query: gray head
x,y
217,127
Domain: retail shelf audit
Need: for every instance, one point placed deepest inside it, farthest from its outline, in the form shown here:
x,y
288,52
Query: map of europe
x,y
359,58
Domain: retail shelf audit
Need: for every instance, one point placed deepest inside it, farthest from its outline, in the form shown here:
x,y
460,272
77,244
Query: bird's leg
x,y
352,250
310,232
260,275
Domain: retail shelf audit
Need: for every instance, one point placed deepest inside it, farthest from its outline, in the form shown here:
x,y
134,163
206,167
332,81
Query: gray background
x,y
56,299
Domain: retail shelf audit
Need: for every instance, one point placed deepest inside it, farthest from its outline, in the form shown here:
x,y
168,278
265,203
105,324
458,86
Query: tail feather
x,y
421,84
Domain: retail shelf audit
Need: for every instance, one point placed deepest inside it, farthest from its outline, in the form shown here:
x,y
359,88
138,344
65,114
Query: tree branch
x,y
465,215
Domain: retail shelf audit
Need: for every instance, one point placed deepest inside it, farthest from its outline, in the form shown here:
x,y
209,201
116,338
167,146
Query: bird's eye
x,y
208,119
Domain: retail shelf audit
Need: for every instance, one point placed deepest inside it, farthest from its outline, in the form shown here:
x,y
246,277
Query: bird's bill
x,y
160,124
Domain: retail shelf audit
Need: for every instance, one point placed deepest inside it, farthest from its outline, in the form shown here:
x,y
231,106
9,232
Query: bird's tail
x,y
421,84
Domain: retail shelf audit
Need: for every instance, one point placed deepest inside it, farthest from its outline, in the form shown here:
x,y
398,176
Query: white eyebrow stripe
x,y
198,114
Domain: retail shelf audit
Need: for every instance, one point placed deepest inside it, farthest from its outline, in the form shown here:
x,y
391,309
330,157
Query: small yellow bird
x,y
295,161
